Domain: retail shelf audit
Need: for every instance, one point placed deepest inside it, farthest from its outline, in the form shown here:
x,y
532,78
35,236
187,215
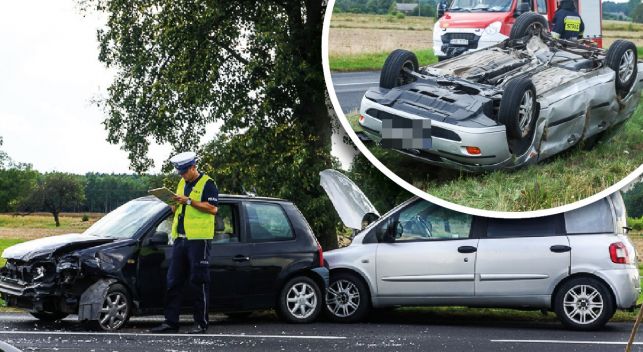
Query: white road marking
x,y
569,342
353,84
86,333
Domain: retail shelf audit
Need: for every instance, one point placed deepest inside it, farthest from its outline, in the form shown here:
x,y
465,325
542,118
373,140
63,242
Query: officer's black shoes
x,y
164,328
197,329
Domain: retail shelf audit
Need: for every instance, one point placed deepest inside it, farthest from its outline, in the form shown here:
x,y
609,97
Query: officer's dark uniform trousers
x,y
189,263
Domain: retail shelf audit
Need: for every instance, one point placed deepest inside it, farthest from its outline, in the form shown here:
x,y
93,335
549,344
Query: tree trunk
x,y
56,218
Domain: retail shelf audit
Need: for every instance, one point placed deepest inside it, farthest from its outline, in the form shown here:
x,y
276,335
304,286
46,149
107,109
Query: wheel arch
x,y
585,275
360,276
307,272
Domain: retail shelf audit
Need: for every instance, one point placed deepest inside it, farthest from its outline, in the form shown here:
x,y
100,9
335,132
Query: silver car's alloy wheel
x,y
114,312
626,66
301,300
525,112
583,304
342,298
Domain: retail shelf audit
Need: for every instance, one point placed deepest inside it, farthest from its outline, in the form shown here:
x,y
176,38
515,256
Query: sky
x,y
49,74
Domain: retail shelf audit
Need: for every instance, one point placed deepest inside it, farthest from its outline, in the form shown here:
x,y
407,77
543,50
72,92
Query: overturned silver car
x,y
519,102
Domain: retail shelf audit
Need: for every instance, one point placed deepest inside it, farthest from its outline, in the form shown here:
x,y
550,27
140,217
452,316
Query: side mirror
x,y
390,232
158,239
522,8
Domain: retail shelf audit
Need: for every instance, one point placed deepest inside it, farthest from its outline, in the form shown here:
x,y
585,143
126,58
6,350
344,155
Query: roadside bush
x,y
85,218
400,16
635,224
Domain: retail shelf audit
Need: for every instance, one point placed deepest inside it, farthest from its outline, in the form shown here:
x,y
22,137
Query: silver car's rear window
x,y
593,218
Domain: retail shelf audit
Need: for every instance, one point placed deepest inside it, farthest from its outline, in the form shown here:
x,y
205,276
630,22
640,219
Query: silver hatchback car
x,y
579,264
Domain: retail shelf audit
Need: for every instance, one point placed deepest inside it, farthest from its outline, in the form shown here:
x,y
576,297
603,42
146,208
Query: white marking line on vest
x,y
354,84
568,342
82,333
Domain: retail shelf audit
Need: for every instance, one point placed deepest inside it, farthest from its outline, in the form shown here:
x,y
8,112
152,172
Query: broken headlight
x,y
41,272
67,269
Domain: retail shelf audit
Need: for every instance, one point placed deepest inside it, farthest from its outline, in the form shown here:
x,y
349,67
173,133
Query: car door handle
x,y
240,258
467,249
560,248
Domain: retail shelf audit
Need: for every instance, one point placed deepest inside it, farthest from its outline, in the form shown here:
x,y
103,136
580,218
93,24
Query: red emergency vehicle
x,y
469,25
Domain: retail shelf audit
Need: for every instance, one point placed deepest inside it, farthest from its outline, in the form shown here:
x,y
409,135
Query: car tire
x,y
518,108
115,310
528,24
622,58
347,298
584,303
393,74
49,316
300,300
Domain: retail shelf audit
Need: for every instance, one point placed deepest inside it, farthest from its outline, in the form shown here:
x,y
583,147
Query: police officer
x,y
192,229
567,23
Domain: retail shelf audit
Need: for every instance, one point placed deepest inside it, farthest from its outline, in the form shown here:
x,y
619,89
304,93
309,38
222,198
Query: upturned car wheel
x,y
527,25
347,298
300,300
49,316
622,58
518,108
584,304
116,308
394,73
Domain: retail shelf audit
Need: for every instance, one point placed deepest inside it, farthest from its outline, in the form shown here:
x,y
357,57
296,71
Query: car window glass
x,y
267,222
542,7
532,227
126,220
165,225
225,225
592,218
426,221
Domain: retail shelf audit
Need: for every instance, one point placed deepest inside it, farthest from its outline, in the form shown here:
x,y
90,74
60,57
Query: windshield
x,y
125,220
480,5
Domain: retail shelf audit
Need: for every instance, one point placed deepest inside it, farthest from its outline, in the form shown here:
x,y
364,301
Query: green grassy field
x,y
44,221
375,61
563,179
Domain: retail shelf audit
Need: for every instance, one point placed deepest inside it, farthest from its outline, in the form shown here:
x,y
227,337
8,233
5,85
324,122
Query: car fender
x,y
91,301
369,281
296,267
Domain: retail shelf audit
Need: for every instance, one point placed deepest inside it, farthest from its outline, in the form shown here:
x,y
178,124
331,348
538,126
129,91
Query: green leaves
x,y
255,66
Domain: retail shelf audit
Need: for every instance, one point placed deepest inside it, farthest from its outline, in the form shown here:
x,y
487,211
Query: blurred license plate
x,y
459,42
402,133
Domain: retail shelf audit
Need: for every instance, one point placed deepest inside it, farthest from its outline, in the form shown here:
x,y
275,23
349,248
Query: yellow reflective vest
x,y
197,224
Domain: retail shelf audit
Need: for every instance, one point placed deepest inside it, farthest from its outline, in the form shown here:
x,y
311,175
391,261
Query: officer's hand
x,y
181,199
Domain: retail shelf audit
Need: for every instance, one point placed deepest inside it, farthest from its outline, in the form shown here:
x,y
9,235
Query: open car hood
x,y
349,201
48,245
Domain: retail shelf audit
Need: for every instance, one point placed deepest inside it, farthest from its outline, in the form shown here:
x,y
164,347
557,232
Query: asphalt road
x,y
351,86
388,331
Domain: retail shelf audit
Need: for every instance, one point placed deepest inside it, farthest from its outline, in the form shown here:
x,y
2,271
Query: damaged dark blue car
x,y
264,255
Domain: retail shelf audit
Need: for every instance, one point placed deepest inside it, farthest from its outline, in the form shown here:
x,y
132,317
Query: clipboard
x,y
164,195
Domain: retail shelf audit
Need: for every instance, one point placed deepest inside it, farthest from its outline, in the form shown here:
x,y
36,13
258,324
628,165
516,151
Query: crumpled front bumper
x,y
36,297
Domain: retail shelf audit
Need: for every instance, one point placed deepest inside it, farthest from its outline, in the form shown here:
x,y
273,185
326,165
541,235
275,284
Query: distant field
x,y
358,34
40,225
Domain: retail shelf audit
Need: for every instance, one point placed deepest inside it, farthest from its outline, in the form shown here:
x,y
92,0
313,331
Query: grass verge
x,y
373,61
